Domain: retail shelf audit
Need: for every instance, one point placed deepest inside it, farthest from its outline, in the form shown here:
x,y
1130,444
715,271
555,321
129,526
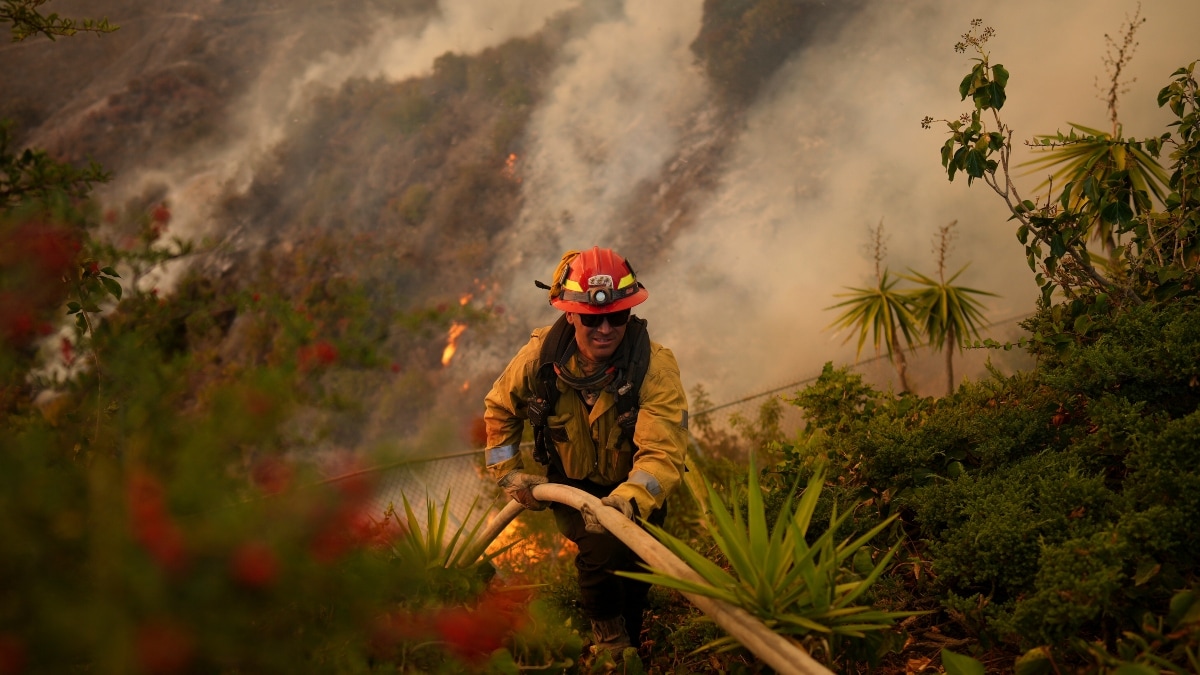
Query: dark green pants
x,y
602,594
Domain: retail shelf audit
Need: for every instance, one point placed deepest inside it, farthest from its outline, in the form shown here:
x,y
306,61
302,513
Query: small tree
x,y
947,313
25,20
882,311
1160,260
1106,179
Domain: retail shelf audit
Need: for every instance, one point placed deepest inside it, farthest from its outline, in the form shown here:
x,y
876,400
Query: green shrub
x,y
414,203
1049,507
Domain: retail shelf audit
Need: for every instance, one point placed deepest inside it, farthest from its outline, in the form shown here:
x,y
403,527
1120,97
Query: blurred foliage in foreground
x,y
156,520
160,512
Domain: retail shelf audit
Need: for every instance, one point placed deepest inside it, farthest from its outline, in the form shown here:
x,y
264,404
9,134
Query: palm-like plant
x,y
1106,179
883,312
436,546
948,314
796,588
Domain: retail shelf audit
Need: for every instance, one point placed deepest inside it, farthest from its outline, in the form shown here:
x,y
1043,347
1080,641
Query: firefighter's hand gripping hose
x,y
518,485
785,656
592,523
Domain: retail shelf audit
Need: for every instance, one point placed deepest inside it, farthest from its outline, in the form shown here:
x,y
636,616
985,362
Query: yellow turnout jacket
x,y
589,441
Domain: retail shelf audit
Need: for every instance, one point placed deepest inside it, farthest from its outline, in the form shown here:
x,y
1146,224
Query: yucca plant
x,y
435,546
886,314
794,587
1105,178
948,314
882,311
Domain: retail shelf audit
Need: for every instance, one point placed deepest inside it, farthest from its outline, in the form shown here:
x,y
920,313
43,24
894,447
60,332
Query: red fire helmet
x,y
596,281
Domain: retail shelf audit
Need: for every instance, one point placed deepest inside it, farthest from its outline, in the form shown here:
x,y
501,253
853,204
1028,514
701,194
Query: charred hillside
x,y
174,75
369,209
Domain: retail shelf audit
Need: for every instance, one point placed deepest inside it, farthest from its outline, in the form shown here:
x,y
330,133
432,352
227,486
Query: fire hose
x,y
785,656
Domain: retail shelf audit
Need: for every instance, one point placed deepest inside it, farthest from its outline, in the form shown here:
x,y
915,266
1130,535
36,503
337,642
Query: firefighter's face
x,y
597,343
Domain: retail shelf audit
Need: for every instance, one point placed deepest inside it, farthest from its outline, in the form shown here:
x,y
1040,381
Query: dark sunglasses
x,y
615,319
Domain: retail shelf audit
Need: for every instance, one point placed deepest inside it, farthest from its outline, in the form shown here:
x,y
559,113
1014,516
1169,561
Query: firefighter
x,y
609,416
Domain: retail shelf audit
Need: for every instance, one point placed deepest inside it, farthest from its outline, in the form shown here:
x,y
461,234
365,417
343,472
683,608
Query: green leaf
x,y
964,87
112,286
1036,661
1184,608
1146,570
957,664
1000,76
976,163
1083,322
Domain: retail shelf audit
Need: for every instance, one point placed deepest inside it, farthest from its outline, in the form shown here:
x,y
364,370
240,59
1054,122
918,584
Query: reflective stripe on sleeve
x,y
646,480
501,453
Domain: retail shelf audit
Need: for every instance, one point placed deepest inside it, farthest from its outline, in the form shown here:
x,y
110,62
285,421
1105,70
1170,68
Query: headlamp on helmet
x,y
595,281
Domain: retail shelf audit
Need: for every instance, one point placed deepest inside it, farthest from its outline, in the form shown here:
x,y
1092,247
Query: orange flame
x,y
527,549
466,298
510,168
456,329
466,386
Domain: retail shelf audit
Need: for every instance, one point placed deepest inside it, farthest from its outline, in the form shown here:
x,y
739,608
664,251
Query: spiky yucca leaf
x,y
1085,163
1096,153
880,312
948,313
429,547
794,587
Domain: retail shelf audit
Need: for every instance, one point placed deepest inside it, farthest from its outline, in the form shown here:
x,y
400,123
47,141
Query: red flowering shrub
x,y
13,655
163,646
474,633
470,632
152,525
35,258
271,474
161,215
254,564
318,354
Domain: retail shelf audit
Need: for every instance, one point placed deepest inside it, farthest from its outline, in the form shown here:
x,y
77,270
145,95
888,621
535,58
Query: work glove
x,y
518,485
592,524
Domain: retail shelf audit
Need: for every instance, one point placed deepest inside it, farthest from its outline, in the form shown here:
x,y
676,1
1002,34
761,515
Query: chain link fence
x,y
926,374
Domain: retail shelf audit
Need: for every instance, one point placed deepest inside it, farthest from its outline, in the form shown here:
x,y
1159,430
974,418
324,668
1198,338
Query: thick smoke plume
x,y
832,147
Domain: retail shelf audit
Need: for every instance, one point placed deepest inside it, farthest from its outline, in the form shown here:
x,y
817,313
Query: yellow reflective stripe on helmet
x,y
572,285
625,281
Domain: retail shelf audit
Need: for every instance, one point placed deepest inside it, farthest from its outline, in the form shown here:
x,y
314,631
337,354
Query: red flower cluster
x,y
160,217
13,655
271,474
68,351
470,633
152,525
36,258
163,647
254,565
317,354
351,523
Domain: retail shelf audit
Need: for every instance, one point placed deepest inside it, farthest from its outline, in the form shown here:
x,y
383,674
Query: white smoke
x,y
398,49
835,146
611,119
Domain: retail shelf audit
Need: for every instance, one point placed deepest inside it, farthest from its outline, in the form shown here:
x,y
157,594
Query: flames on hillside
x,y
456,330
524,549
510,168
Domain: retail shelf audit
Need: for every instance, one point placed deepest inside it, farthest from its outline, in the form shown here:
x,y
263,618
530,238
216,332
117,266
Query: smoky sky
x,y
832,147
